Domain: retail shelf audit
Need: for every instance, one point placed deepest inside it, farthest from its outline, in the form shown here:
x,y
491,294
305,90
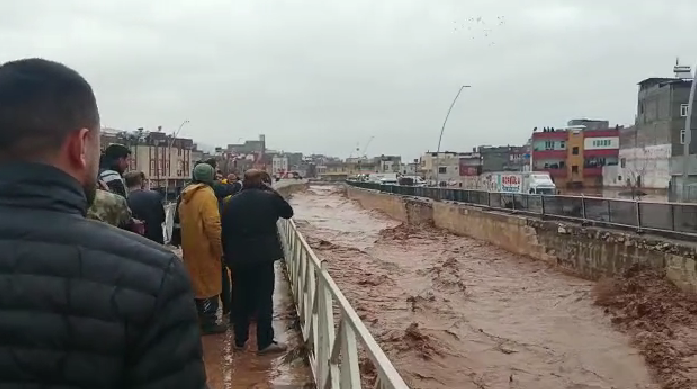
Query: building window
x,y
623,163
442,170
682,137
563,145
575,151
683,110
574,169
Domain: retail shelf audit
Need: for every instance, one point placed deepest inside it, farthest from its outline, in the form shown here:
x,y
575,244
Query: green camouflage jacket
x,y
110,208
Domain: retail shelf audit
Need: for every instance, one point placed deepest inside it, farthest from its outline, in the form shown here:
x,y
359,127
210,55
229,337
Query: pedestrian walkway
x,y
229,369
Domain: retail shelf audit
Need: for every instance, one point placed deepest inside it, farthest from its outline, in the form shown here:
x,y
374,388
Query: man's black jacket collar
x,y
39,186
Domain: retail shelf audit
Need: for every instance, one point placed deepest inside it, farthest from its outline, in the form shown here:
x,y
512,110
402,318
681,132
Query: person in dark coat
x,y
83,304
250,248
146,206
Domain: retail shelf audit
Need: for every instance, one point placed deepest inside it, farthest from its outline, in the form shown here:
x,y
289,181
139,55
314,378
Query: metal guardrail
x,y
169,221
333,348
670,217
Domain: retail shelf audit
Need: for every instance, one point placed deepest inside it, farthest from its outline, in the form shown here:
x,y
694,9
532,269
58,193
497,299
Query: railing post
x,y
326,328
302,282
609,211
542,205
349,369
583,207
672,217
638,214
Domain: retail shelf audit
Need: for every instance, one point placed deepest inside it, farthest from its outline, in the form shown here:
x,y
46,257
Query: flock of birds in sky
x,y
478,28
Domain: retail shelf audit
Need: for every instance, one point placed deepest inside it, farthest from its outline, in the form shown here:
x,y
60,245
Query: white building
x,y
646,167
280,164
643,162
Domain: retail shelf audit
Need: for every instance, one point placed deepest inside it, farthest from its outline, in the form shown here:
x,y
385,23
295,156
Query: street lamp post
x,y
688,137
442,130
169,155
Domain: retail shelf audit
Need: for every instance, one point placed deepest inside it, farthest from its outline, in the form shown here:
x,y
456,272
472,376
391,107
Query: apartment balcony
x,y
604,153
593,171
548,154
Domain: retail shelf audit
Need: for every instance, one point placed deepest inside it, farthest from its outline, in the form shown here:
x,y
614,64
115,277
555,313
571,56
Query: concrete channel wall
x,y
588,252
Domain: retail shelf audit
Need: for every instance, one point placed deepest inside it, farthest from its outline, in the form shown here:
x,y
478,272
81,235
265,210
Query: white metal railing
x,y
169,221
333,352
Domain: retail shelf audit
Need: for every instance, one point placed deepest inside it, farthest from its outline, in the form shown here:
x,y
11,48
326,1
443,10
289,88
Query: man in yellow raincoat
x,y
199,219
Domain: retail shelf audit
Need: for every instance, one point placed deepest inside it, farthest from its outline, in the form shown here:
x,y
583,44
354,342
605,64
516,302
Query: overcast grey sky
x,y
324,75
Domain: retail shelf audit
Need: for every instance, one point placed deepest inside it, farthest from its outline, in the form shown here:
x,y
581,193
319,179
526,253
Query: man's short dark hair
x,y
212,162
41,102
133,179
116,151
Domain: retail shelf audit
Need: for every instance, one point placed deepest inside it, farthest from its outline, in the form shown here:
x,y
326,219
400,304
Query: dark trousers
x,y
252,292
207,309
226,296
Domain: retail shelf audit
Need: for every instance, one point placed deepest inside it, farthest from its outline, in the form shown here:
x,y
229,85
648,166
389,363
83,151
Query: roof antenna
x,y
682,72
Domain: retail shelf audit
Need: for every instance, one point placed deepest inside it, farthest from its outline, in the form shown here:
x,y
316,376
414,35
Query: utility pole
x,y
442,130
688,138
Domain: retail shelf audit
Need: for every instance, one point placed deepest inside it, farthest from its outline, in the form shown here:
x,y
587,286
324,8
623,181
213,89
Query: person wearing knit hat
x,y
204,174
199,220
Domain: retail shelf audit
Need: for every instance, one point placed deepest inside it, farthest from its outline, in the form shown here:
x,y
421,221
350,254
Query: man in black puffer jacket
x,y
251,246
82,304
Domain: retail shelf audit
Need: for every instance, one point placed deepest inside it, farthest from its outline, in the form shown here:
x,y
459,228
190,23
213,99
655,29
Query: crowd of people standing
x,y
90,297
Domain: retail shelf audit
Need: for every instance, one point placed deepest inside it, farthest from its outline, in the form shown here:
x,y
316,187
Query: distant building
x,y
439,165
388,164
574,155
294,159
589,124
280,165
640,164
449,166
166,162
502,158
650,154
411,168
249,147
197,155
469,164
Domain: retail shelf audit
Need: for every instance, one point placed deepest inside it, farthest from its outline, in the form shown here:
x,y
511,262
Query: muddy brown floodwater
x,y
452,312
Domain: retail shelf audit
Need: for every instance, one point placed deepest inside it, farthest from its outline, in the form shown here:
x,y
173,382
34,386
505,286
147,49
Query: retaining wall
x,y
587,252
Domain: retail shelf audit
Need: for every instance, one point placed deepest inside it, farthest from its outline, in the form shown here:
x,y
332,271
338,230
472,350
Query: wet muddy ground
x,y
452,312
230,369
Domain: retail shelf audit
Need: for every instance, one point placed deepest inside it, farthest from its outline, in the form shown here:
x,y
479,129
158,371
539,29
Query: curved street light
x,y
169,155
442,130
